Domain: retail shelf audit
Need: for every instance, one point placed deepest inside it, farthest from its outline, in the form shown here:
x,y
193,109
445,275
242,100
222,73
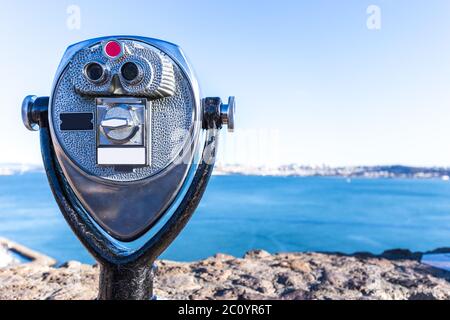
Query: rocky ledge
x,y
258,275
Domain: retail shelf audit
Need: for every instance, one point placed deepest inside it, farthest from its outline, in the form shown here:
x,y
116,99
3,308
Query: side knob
x,y
216,114
227,112
27,111
34,109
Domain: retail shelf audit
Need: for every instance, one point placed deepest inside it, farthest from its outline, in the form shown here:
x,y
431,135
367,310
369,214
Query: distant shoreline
x,y
370,172
294,170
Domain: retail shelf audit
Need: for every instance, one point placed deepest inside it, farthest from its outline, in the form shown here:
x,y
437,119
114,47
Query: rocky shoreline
x,y
396,274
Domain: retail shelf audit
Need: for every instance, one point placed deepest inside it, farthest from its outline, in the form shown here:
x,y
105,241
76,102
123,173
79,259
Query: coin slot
x,y
76,121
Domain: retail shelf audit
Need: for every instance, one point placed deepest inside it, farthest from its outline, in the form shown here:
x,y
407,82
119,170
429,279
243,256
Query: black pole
x,y
133,281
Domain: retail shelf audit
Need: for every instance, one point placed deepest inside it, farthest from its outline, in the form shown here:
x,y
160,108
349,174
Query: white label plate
x,y
121,156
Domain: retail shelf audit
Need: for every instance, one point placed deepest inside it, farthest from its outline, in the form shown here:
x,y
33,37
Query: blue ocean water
x,y
240,213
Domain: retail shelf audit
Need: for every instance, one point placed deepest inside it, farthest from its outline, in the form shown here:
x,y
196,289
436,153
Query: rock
x,y
255,296
300,266
222,257
401,254
185,281
439,250
422,296
295,295
71,265
228,293
257,254
6,258
259,275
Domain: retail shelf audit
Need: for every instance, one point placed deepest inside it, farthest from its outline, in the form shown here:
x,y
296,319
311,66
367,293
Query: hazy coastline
x,y
294,170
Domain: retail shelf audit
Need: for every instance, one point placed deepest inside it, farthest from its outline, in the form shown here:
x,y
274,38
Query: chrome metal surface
x,y
117,123
122,121
227,112
156,77
173,118
130,247
124,213
130,204
27,113
216,114
172,50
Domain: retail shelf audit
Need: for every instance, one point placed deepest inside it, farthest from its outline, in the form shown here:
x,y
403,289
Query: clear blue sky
x,y
308,75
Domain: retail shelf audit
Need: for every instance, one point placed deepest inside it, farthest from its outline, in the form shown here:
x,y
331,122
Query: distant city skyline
x,y
341,83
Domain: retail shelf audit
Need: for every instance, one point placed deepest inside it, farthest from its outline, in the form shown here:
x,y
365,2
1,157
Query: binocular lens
x,y
130,71
94,71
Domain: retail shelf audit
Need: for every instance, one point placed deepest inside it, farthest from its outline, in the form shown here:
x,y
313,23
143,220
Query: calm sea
x,y
239,213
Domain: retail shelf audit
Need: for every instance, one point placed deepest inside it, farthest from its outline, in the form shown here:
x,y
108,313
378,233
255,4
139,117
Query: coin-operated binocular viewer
x,y
128,146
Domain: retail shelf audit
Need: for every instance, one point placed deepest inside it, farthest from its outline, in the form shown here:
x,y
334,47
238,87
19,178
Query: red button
x,y
113,49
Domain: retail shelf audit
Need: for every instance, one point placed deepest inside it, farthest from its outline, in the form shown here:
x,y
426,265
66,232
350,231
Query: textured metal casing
x,y
126,202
